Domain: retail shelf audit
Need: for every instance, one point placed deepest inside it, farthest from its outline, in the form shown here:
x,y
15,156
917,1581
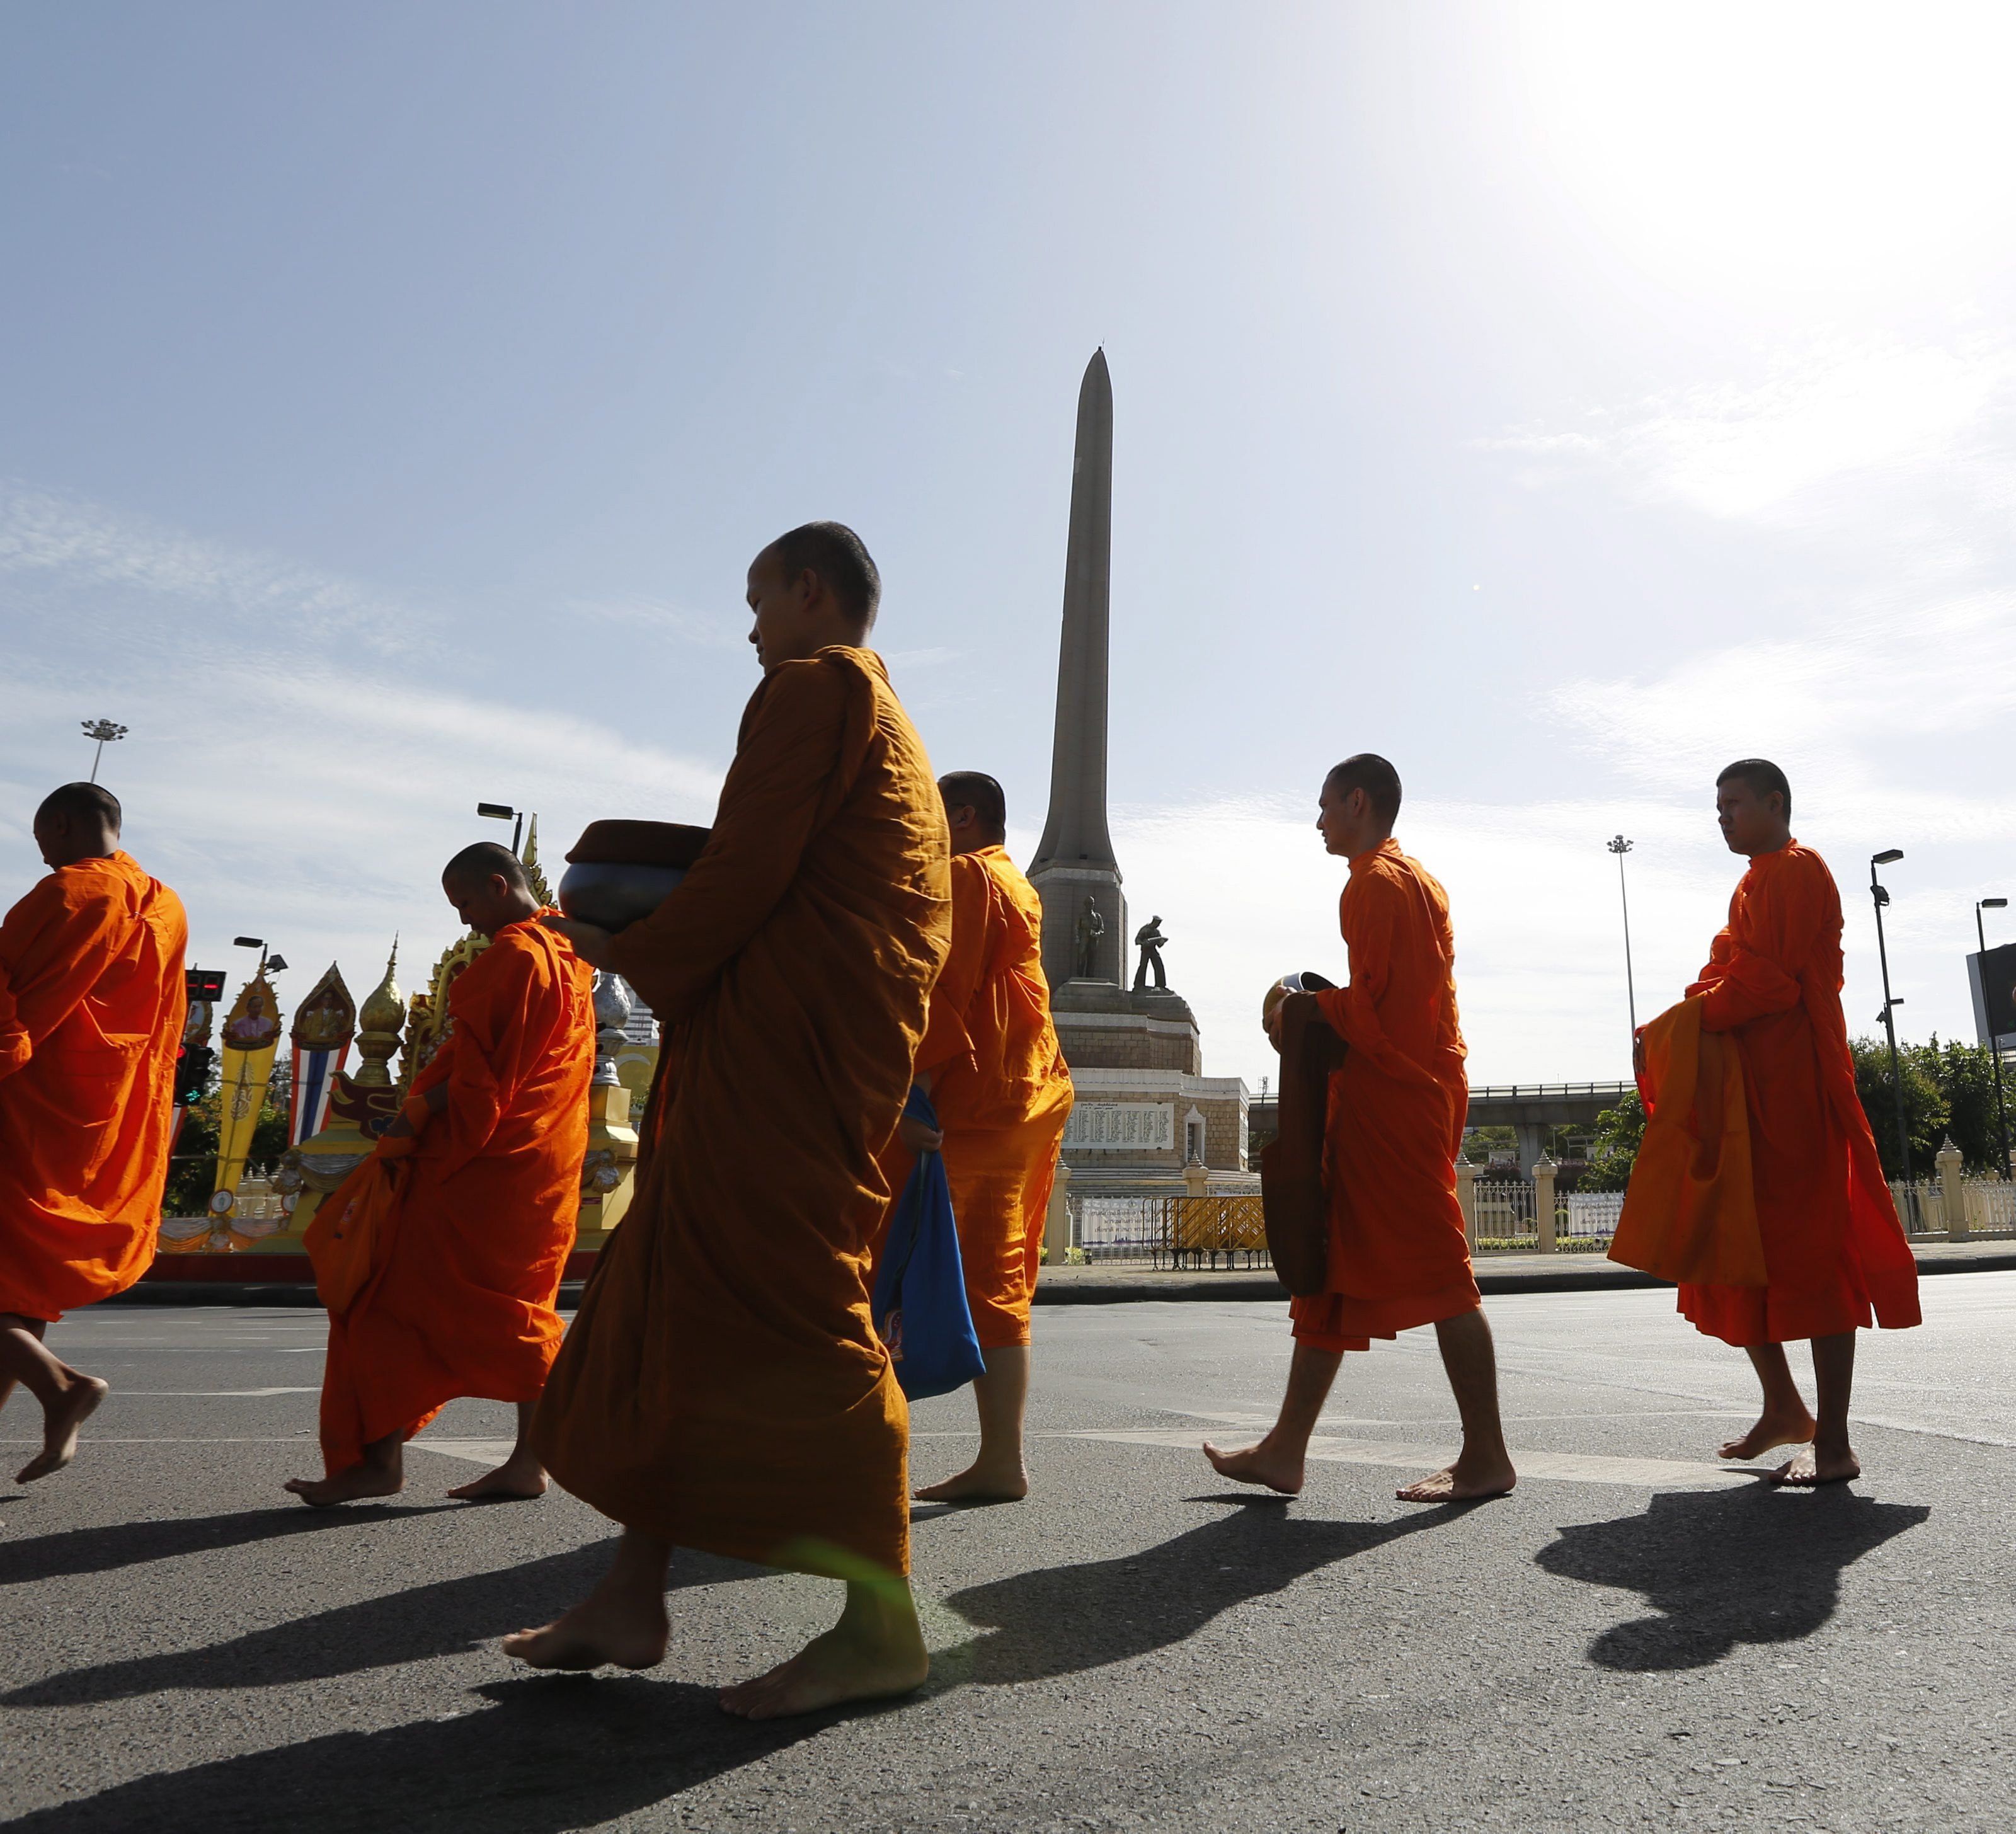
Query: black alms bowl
x,y
612,896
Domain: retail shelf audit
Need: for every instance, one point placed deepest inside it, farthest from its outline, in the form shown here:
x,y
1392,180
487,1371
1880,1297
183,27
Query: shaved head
x,y
840,558
83,803
1761,777
1369,772
478,864
977,790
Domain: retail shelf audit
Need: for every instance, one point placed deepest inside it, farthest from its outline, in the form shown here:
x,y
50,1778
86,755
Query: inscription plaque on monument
x,y
1122,1126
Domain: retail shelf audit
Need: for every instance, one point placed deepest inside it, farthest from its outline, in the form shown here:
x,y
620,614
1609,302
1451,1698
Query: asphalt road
x,y
1634,1640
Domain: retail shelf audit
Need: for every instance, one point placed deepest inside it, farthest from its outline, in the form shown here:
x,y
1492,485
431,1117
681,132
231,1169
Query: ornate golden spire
x,y
380,1021
529,859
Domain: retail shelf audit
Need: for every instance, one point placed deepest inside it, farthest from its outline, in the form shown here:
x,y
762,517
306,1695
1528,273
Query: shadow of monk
x,y
547,1755
1724,1567
1061,1620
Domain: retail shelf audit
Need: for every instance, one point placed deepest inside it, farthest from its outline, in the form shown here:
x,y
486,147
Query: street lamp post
x,y
1881,897
504,811
104,731
1620,847
1994,1039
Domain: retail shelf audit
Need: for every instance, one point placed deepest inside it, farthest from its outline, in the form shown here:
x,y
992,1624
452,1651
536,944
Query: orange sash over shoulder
x,y
1691,1213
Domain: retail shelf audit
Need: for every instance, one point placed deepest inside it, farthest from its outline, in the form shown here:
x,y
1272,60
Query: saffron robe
x,y
1833,1246
723,1387
469,1255
1395,1118
1000,1087
92,1005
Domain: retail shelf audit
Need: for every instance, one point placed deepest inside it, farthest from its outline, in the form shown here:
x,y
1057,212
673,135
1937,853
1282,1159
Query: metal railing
x,y
1503,1216
1212,1232
1542,1091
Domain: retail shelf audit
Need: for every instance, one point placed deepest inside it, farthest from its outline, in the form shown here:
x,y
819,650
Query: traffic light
x,y
192,1064
205,984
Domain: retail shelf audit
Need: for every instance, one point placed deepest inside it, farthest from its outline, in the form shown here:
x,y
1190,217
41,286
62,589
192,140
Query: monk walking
x,y
91,1004
723,1387
1398,1256
1833,1249
991,1064
468,1262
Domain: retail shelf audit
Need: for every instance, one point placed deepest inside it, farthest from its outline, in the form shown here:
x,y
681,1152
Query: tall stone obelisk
x,y
1074,860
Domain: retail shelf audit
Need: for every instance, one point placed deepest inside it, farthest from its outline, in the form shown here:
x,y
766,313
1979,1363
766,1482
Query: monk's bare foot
x,y
872,1654
608,1628
1464,1482
516,1480
1264,1464
353,1486
981,1483
60,1422
1774,1427
1810,1466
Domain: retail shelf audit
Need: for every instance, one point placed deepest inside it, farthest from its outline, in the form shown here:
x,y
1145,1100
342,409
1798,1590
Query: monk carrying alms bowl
x,y
619,872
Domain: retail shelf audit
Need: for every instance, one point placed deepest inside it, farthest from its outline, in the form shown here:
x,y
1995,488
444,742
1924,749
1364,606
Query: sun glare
x,y
1788,149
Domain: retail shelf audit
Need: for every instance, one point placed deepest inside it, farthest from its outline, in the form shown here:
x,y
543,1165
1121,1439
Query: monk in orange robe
x,y
996,1078
91,1004
1833,1248
1397,1106
468,1260
723,1387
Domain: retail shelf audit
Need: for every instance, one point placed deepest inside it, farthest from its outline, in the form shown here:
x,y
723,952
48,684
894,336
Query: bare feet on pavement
x,y
845,1664
1809,1467
980,1483
1772,1428
516,1480
1463,1481
353,1486
1263,1464
619,1629
59,1427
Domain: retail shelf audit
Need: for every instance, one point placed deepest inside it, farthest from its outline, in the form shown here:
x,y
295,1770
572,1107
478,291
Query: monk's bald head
x,y
811,588
79,821
488,887
1753,807
976,810
1359,804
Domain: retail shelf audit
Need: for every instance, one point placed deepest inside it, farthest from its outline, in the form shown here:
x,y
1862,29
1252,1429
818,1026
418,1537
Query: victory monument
x,y
1144,1108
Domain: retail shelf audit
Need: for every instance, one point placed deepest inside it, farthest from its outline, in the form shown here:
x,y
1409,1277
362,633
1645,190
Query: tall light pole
x,y
104,731
1994,1039
1890,857
1620,847
504,811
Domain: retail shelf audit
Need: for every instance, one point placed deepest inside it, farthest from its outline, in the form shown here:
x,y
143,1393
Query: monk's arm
x,y
1371,913
1760,972
472,1078
790,754
974,937
54,945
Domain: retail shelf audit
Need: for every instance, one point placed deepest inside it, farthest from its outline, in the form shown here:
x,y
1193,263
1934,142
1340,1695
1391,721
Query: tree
x,y
1614,1150
1927,1112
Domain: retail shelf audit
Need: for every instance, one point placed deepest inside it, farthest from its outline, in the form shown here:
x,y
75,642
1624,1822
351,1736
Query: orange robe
x,y
1832,1246
461,1302
1000,1089
1397,1257
92,1005
723,1387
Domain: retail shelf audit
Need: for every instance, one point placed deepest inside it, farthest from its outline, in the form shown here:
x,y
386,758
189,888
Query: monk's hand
x,y
398,1128
918,1137
1638,1053
591,944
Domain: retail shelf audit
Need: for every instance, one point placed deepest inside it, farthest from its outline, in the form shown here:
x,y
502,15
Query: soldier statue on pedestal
x,y
1149,939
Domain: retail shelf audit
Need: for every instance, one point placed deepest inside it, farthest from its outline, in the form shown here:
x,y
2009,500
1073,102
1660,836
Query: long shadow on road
x,y
1724,1567
548,1755
438,1619
1061,1620
106,1549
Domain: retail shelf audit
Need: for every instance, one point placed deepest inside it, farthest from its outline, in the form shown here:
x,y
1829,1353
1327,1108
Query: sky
x,y
1561,400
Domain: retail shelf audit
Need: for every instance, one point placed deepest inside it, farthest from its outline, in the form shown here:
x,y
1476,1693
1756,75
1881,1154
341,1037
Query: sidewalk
x,y
1581,1272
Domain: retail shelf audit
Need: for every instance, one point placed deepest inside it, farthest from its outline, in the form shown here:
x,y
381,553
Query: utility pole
x,y
1994,1037
1882,897
1620,847
104,731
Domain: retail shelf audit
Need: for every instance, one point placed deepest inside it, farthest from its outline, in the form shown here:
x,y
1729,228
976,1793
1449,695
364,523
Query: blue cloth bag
x,y
919,1305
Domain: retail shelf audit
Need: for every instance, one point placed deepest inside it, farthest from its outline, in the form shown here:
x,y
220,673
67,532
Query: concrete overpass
x,y
1531,1109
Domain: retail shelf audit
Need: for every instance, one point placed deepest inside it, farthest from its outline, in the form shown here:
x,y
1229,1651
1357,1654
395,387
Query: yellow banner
x,y
251,1036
